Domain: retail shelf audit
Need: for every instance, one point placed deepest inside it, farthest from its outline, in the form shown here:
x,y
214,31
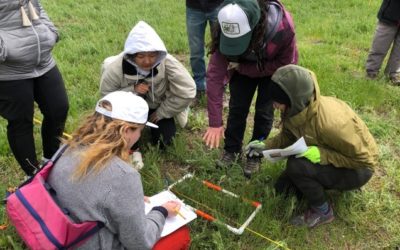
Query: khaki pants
x,y
385,36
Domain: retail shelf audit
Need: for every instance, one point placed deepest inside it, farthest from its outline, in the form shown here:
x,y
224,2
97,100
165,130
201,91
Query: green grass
x,y
333,40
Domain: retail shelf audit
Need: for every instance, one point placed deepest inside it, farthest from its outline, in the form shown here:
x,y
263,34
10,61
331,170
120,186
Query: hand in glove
x,y
255,148
312,154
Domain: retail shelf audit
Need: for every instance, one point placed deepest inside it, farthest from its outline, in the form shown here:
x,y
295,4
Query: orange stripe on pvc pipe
x,y
213,186
204,215
253,203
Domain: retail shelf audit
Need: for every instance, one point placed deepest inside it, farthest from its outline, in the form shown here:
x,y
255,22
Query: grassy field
x,y
333,40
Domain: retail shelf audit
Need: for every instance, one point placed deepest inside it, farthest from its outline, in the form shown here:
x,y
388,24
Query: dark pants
x,y
309,180
242,89
163,135
17,106
165,132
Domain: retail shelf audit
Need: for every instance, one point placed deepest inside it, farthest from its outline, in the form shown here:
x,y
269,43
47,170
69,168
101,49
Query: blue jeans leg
x,y
196,22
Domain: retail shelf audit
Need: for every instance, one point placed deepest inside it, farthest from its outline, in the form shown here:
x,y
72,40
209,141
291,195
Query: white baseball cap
x,y
126,106
237,19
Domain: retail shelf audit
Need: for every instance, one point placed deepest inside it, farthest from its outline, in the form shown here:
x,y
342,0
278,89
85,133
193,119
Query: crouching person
x,y
341,151
95,182
146,69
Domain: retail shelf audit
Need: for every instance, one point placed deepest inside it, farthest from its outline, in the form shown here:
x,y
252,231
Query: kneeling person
x,y
146,69
342,152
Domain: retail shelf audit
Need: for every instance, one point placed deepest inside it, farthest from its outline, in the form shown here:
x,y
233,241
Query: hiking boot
x,y
395,79
372,75
227,159
252,166
312,218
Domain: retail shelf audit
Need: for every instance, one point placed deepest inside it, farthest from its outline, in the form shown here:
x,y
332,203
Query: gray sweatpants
x,y
385,36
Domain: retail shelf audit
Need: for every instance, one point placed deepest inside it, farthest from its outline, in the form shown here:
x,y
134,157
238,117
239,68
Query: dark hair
x,y
257,39
278,94
283,116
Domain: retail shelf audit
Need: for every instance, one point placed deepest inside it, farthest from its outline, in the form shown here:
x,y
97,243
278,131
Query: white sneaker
x,y
137,160
182,117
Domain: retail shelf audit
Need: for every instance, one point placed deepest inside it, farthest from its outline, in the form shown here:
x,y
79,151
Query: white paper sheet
x,y
274,155
171,223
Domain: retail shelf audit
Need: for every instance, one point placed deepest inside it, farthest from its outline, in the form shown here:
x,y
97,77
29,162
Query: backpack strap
x,y
275,14
53,159
59,153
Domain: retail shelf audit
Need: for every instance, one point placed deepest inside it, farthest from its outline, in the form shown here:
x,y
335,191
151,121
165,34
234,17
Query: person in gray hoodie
x,y
146,69
28,74
95,182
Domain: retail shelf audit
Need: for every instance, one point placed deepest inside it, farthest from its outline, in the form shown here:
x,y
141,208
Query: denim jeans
x,y
196,22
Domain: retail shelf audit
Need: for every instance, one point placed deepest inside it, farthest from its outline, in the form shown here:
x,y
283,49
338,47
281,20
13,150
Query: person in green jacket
x,y
341,153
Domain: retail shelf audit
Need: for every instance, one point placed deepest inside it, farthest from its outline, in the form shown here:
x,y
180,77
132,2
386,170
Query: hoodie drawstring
x,y
152,82
26,22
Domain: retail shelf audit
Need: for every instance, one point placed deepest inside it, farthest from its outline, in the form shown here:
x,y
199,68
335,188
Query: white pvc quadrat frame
x,y
208,217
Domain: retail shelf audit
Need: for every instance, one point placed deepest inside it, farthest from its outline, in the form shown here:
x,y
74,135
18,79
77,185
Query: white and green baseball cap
x,y
237,19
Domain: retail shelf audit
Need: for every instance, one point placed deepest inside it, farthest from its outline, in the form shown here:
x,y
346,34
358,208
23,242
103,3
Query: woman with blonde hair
x,y
95,182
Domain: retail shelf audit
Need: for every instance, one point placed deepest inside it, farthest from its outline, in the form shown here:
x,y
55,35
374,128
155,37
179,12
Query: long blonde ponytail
x,y
97,141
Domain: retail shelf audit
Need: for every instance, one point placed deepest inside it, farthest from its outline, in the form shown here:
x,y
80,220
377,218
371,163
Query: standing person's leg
x,y
212,17
50,95
383,38
263,119
165,132
264,112
196,22
242,89
393,64
16,106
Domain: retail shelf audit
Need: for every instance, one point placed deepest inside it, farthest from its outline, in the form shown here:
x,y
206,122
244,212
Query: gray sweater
x,y
114,197
25,52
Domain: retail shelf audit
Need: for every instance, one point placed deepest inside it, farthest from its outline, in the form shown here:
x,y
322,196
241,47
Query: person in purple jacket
x,y
252,40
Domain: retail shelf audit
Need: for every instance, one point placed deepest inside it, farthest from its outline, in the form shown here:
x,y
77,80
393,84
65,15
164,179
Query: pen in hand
x,y
179,213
